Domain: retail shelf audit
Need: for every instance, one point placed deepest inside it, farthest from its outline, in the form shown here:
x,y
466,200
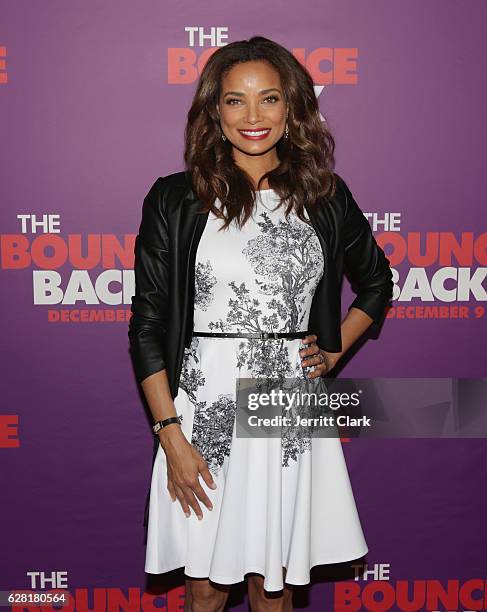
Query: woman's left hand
x,y
312,355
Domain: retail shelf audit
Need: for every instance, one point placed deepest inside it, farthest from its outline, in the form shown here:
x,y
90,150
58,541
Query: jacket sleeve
x,y
365,262
147,325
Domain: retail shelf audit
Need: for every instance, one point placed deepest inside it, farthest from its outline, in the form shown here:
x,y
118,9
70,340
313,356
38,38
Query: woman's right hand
x,y
184,464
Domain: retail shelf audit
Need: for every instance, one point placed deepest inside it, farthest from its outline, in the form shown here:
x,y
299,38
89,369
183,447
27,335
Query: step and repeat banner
x,y
93,103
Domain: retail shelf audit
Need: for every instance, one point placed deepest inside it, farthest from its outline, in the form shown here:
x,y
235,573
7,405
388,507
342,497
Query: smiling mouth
x,y
255,134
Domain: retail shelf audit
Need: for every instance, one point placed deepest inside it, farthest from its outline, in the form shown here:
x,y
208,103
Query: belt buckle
x,y
265,335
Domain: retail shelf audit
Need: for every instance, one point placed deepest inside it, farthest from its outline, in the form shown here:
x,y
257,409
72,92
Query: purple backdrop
x,y
93,99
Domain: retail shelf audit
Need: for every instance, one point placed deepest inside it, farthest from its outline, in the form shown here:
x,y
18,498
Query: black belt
x,y
260,335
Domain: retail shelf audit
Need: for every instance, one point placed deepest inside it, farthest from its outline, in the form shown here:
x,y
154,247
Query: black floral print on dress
x,y
286,259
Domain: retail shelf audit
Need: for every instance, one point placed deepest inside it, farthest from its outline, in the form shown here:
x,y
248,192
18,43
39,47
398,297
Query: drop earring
x,y
223,137
286,132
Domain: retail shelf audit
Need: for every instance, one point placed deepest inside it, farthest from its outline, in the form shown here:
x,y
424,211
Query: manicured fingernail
x,y
200,517
188,514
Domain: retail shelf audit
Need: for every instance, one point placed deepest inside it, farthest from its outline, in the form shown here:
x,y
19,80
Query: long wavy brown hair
x,y
306,157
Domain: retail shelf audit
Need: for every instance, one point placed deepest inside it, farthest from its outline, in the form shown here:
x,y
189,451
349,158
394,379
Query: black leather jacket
x,y
162,308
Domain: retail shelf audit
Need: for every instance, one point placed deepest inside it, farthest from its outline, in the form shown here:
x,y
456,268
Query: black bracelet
x,y
160,424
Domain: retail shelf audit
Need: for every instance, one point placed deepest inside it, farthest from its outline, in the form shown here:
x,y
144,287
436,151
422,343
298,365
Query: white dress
x,y
278,503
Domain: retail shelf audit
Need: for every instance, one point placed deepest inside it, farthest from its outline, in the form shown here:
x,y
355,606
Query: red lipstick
x,y
255,134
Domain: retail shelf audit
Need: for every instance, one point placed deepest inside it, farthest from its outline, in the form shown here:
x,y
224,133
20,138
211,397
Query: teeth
x,y
259,133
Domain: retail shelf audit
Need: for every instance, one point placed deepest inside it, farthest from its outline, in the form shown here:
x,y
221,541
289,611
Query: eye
x,y
275,98
231,100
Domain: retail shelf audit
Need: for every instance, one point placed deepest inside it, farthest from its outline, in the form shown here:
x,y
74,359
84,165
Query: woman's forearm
x,y
352,327
161,404
158,395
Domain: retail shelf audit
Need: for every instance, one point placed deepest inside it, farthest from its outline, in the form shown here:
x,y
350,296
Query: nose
x,y
253,113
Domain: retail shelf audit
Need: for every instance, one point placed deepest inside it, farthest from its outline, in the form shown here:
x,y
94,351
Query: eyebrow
x,y
261,92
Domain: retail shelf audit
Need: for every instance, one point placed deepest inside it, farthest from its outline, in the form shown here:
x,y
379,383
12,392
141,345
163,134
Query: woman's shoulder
x,y
335,202
341,201
168,190
340,189
169,182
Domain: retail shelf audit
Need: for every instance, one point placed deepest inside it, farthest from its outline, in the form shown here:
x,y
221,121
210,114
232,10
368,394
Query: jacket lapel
x,y
198,222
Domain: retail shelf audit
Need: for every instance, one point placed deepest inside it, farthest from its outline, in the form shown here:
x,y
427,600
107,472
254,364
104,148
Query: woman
x,y
251,239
